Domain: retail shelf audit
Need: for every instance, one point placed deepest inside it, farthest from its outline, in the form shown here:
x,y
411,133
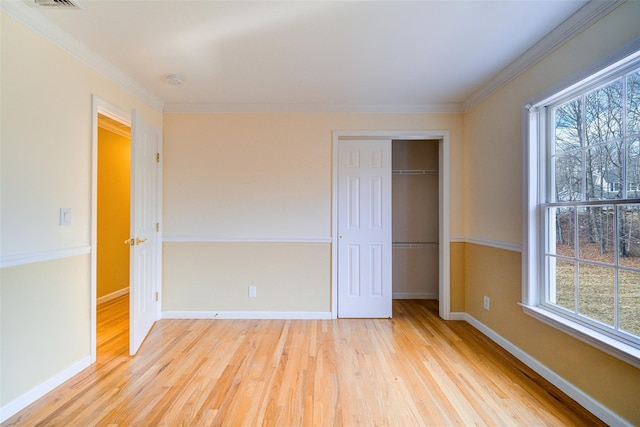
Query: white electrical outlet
x,y
487,302
252,291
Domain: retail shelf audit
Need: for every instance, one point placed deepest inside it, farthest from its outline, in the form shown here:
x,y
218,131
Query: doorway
x,y
113,225
145,236
441,139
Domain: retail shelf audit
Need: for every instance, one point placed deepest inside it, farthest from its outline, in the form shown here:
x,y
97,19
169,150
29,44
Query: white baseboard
x,y
454,315
250,315
21,402
416,295
586,401
112,295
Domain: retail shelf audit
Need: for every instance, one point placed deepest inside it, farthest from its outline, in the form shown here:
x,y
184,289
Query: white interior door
x,y
144,241
364,229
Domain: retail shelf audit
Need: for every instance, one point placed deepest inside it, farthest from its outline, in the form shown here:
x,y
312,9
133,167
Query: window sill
x,y
598,340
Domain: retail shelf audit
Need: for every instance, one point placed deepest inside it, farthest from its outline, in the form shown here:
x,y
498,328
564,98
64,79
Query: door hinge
x,y
156,296
157,157
157,226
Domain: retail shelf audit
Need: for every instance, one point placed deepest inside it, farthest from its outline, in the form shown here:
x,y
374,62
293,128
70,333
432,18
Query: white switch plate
x,y
65,217
252,291
487,302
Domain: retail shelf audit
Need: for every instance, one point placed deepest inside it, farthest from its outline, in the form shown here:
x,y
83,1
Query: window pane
x,y
568,177
596,291
633,168
603,113
565,231
629,236
568,119
633,103
596,225
604,172
565,292
629,301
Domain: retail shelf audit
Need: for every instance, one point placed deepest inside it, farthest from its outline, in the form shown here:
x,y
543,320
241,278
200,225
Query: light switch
x,y
65,217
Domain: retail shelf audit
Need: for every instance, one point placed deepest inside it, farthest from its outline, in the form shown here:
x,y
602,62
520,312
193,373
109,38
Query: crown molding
x,y
28,16
593,11
586,16
315,108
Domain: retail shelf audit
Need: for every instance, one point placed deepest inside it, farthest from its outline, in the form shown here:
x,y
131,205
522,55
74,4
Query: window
x,y
582,243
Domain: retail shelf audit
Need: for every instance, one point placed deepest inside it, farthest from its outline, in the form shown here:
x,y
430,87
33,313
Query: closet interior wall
x,y
415,219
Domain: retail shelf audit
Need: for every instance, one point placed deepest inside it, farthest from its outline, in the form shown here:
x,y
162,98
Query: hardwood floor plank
x,y
412,370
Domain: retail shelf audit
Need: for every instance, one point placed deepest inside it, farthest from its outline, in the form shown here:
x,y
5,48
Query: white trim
x,y
34,257
578,22
586,16
113,295
592,72
452,108
103,107
513,247
457,315
444,258
249,315
415,295
534,186
26,399
586,401
602,342
27,15
248,239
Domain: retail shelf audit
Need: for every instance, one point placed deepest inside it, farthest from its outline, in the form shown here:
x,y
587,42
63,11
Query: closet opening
x,y
415,219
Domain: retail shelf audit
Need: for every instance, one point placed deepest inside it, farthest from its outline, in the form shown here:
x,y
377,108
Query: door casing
x,y
444,280
100,106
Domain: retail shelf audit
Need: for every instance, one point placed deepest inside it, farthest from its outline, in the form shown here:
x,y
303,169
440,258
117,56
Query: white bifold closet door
x,y
364,229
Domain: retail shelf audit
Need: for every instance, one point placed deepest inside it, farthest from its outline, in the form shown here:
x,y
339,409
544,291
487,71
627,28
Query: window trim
x,y
534,185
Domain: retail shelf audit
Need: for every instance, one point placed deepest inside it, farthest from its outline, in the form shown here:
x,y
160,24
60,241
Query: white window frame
x,y
534,187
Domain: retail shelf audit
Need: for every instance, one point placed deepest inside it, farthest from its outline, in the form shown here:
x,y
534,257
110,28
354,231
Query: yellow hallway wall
x,y
114,158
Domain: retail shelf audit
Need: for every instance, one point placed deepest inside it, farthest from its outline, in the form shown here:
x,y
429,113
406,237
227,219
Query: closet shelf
x,y
415,172
414,244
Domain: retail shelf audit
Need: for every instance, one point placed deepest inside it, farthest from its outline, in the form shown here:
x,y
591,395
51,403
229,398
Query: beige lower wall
x,y
457,277
45,322
613,383
216,276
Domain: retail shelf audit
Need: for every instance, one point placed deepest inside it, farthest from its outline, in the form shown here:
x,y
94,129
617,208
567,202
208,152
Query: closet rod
x,y
414,172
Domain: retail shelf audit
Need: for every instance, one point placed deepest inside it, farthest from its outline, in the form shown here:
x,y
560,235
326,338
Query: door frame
x,y
100,106
444,167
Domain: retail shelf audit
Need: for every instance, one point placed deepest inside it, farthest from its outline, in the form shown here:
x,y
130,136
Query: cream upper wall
x,y
270,175
46,164
46,133
493,129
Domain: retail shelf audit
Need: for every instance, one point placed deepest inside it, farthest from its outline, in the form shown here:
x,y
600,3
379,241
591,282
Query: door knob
x,y
133,242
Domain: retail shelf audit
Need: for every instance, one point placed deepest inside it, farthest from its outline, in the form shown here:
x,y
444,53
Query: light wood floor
x,y
412,370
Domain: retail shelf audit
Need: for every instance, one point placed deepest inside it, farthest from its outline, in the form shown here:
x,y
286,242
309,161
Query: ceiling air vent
x,y
59,4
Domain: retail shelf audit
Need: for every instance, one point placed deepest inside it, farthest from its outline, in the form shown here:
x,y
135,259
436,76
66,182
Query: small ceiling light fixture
x,y
174,79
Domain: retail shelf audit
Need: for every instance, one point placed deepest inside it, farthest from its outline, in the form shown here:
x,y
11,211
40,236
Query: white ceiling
x,y
376,55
